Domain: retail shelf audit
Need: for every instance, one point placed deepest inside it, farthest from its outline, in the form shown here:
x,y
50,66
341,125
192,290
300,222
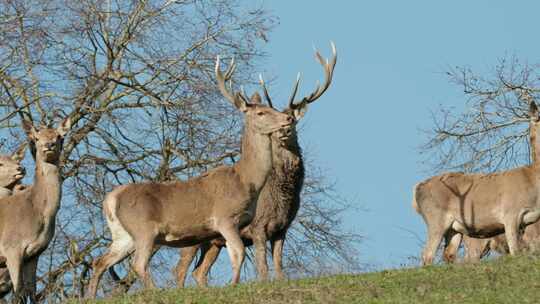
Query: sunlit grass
x,y
504,280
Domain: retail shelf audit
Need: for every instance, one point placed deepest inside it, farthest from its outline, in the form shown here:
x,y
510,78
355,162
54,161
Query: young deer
x,y
480,205
279,200
178,214
27,218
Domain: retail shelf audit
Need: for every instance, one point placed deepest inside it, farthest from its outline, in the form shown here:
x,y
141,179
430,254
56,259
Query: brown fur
x,y
277,206
476,248
479,205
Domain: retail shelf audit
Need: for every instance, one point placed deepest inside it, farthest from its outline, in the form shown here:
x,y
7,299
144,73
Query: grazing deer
x,y
180,214
27,218
480,205
279,200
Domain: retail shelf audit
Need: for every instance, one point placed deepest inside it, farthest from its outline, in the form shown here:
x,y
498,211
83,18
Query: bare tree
x,y
136,79
491,133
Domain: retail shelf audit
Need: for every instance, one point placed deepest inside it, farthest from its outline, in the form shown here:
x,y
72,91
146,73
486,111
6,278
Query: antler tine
x,y
295,89
266,95
223,78
328,66
230,70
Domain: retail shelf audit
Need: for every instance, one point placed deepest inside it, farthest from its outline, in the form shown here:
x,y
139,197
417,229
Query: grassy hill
x,y
504,280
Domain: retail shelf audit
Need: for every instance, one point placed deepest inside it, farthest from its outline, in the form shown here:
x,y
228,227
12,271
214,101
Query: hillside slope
x,y
504,280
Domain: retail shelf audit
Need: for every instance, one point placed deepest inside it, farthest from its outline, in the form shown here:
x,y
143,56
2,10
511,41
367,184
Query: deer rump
x,y
477,204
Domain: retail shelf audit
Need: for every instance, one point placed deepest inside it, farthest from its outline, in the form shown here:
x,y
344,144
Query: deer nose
x,y
290,119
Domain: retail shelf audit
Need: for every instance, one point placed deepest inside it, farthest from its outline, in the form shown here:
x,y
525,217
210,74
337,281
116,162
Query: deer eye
x,y
260,113
1,164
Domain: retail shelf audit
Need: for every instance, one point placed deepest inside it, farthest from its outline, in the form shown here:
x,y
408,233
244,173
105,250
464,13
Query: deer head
x,y
11,171
298,108
260,118
47,141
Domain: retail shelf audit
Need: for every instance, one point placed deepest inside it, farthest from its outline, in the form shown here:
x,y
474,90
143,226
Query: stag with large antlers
x,y
480,205
220,202
27,218
279,200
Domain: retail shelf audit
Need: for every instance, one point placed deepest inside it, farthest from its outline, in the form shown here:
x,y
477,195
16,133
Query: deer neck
x,y
255,164
286,156
46,191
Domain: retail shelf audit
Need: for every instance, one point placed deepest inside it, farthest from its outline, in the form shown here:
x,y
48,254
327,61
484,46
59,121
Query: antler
x,y
223,78
328,66
266,95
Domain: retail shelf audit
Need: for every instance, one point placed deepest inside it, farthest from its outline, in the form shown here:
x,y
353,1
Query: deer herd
x,y
251,202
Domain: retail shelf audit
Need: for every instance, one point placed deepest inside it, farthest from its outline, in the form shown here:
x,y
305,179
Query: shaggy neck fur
x,y
287,177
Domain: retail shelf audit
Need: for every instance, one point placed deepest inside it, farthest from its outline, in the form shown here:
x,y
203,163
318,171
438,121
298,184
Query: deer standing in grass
x,y
27,218
480,205
178,214
475,248
279,200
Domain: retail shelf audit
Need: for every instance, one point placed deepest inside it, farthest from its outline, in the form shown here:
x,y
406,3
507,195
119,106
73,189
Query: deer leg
x,y
143,252
277,255
511,231
5,282
435,234
451,246
118,251
235,248
186,257
259,241
29,278
209,255
14,264
475,249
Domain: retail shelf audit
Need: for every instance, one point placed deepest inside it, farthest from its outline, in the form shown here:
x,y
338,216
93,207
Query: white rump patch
x,y
122,240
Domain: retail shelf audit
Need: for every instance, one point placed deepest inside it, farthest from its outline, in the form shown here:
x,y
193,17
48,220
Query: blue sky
x,y
392,57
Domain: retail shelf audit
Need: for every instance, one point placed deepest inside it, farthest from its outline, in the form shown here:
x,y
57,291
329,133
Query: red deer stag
x,y
279,200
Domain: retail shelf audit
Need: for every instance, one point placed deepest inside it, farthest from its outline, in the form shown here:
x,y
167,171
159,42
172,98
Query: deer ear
x,y
18,155
29,128
298,113
64,127
256,98
533,111
240,103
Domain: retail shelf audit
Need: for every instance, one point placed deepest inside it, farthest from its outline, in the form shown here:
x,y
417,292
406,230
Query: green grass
x,y
504,280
